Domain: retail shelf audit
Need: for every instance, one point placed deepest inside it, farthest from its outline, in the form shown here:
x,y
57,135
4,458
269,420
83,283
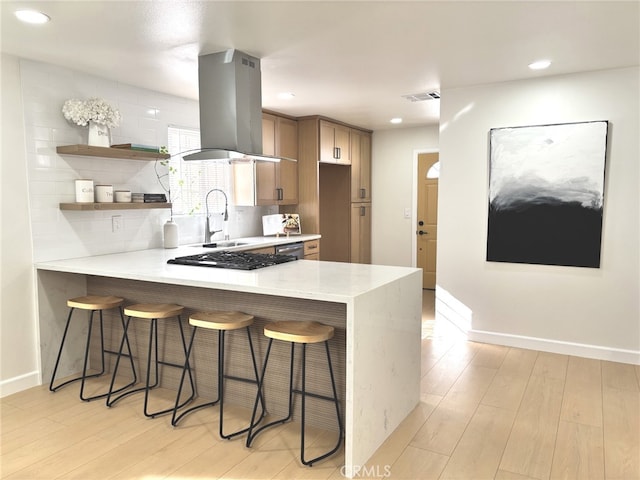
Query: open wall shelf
x,y
113,206
109,152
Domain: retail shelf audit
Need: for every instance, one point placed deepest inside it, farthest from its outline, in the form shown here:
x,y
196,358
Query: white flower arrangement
x,y
93,110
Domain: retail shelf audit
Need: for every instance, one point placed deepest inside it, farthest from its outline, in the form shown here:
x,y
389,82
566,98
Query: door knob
x,y
420,232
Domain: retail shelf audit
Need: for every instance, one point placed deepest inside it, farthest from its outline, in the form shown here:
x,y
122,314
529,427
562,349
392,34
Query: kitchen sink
x,y
224,244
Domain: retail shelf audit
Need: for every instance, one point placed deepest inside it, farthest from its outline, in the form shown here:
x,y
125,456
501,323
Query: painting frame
x,y
546,193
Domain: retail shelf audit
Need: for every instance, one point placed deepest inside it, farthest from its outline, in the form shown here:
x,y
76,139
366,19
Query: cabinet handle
x,y
280,193
363,192
363,211
336,152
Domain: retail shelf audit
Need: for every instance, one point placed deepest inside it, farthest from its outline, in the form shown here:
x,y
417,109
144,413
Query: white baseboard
x,y
19,383
555,346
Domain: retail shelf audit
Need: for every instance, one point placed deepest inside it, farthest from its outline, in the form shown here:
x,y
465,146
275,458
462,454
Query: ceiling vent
x,y
421,97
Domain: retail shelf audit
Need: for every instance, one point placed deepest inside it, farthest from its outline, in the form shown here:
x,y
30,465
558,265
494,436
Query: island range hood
x,y
230,107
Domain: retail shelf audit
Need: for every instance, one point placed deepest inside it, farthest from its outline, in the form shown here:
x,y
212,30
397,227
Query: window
x,y
190,181
434,171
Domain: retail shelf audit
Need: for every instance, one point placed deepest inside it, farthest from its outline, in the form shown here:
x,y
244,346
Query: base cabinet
x,y
312,250
360,233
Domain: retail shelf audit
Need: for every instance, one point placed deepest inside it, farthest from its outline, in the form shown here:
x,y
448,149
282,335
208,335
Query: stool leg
x,y
86,357
133,367
335,401
221,378
55,368
153,335
252,434
124,340
186,353
175,418
255,370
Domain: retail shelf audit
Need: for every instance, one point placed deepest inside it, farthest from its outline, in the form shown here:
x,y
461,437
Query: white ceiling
x,y
351,61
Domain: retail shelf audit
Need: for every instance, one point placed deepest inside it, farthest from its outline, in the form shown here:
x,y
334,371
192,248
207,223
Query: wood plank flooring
x,y
486,412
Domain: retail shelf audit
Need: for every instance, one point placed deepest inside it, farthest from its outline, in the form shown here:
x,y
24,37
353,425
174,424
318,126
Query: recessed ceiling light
x,y
286,95
540,65
32,16
396,120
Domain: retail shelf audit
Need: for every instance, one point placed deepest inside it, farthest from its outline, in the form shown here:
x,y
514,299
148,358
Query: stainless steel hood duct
x,y
230,107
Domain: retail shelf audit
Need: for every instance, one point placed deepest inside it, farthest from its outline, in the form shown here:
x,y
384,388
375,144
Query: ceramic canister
x,y
84,191
122,196
104,193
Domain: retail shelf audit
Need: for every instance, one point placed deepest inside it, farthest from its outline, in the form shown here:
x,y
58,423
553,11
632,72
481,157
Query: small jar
x,y
122,196
104,193
170,234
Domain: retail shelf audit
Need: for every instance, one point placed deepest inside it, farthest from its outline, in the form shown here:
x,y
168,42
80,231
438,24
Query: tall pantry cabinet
x,y
360,196
334,167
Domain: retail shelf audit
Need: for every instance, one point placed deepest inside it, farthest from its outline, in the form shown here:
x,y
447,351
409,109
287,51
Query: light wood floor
x,y
487,412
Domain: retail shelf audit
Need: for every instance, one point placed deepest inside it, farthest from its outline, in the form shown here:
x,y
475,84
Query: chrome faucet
x,y
207,227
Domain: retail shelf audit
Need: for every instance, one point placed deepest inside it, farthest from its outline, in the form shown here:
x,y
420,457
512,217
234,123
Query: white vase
x,y
99,135
170,234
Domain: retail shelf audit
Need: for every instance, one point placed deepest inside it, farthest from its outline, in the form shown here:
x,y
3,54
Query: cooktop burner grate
x,y
233,260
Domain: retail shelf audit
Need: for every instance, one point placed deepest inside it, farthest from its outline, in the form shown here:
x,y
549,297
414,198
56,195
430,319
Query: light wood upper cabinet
x,y
360,166
334,143
287,138
269,134
277,182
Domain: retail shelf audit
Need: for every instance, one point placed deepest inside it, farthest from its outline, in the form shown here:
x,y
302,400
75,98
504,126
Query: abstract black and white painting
x,y
546,194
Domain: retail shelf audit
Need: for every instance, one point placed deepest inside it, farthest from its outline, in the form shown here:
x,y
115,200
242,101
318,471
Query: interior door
x,y
427,228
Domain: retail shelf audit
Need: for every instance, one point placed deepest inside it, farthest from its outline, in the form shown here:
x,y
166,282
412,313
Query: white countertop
x,y
310,279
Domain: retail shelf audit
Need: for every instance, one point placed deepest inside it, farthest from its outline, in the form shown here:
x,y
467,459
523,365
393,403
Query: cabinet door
x,y
360,166
266,193
342,136
269,134
327,142
334,143
360,233
287,182
287,138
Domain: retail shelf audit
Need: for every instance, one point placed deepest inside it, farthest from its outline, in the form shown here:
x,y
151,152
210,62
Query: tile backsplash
x,y
146,116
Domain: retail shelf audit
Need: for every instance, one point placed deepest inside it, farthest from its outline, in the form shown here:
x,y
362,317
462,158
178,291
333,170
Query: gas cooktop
x,y
233,260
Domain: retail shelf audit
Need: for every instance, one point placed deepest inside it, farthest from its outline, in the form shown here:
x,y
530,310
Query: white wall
x,y
18,345
393,168
584,311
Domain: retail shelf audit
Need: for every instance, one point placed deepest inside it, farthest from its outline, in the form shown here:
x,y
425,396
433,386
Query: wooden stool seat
x,y
95,302
153,310
299,331
217,320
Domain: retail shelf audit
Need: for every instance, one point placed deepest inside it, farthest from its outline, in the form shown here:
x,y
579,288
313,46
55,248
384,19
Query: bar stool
x,y
153,312
92,303
303,333
222,322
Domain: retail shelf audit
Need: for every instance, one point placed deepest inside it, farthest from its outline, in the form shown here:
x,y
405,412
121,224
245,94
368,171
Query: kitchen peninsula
x,y
376,311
